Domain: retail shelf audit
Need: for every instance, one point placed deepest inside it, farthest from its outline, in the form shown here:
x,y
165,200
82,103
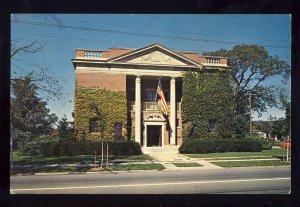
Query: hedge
x,y
202,146
71,148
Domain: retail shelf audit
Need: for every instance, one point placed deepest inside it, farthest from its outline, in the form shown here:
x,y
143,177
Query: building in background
x,y
136,72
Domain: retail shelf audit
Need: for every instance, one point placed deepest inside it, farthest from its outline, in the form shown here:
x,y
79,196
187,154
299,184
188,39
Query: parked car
x,y
286,144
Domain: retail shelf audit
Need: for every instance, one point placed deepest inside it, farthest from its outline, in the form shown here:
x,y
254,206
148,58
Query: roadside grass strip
x,y
56,169
275,152
79,159
186,164
83,169
239,158
154,166
255,163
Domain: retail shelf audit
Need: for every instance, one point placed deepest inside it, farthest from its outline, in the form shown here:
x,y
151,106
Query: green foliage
x,y
33,148
72,148
107,106
240,127
205,145
29,116
251,67
206,96
65,129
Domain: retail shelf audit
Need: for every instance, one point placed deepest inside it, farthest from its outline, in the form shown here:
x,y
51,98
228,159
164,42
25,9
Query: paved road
x,y
232,180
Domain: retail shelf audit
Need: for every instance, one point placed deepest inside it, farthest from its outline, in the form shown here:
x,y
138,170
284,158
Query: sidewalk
x,y
169,154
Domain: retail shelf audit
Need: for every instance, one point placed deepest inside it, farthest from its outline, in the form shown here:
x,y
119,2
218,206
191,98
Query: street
x,y
261,180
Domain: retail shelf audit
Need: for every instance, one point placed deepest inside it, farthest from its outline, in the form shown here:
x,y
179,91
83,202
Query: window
x,y
212,123
94,126
118,129
167,95
151,96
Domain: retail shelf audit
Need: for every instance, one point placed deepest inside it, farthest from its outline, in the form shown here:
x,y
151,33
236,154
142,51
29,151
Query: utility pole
x,y
250,107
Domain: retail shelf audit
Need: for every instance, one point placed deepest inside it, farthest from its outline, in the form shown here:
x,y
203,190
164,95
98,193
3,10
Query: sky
x,y
179,32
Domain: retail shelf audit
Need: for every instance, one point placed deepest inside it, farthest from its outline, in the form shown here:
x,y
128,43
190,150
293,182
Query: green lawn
x,y
251,163
187,164
276,152
33,170
84,159
154,166
80,159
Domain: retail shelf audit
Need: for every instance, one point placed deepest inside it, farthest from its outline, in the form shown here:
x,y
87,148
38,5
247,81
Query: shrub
x,y
266,142
33,148
71,148
203,146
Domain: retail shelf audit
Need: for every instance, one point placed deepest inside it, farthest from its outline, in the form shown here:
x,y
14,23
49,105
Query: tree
x,y
29,116
65,129
251,66
286,106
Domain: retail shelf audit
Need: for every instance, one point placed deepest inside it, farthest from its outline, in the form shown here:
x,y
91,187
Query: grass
x,y
83,159
188,164
82,169
57,169
276,152
154,166
79,159
251,163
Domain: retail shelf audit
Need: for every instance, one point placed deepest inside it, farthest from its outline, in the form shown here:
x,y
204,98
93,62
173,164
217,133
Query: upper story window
x,y
94,126
212,123
151,95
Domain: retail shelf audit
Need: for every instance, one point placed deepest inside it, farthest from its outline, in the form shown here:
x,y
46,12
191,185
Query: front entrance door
x,y
154,135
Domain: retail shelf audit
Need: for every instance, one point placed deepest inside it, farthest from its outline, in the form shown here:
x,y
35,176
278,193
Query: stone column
x,y
138,109
173,111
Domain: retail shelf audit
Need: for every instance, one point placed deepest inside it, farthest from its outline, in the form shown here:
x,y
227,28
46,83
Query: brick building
x,y
136,72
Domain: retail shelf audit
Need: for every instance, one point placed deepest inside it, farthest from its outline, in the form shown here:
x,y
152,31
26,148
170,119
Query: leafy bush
x,y
71,148
203,146
240,127
33,148
266,143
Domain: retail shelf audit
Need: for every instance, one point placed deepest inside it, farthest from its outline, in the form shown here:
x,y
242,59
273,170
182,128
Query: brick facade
x,y
110,69
115,82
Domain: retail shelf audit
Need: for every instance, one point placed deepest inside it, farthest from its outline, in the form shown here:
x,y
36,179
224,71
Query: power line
x,y
175,31
134,33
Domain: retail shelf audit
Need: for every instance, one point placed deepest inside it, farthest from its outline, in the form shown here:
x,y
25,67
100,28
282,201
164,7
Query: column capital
x,y
138,79
173,79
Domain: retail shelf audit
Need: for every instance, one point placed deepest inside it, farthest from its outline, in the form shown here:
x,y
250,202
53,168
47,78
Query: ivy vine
x,y
207,98
109,106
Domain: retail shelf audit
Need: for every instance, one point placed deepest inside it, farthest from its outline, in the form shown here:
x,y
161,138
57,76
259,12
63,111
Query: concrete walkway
x,y
169,154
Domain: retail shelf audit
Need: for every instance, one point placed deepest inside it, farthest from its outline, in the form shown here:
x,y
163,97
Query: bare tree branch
x,y
30,48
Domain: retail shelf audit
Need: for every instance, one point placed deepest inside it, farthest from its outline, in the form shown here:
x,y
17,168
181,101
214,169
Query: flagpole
x,y
156,91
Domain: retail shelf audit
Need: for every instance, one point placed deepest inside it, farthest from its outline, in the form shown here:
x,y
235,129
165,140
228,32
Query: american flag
x,y
161,94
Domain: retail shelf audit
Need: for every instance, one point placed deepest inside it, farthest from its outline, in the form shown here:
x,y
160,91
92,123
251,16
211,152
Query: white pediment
x,y
154,55
157,57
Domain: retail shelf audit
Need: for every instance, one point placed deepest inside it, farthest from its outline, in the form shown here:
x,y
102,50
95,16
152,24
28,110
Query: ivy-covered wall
x,y
109,106
206,96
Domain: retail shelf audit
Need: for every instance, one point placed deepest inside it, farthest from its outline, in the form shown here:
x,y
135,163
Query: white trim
x,y
128,71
